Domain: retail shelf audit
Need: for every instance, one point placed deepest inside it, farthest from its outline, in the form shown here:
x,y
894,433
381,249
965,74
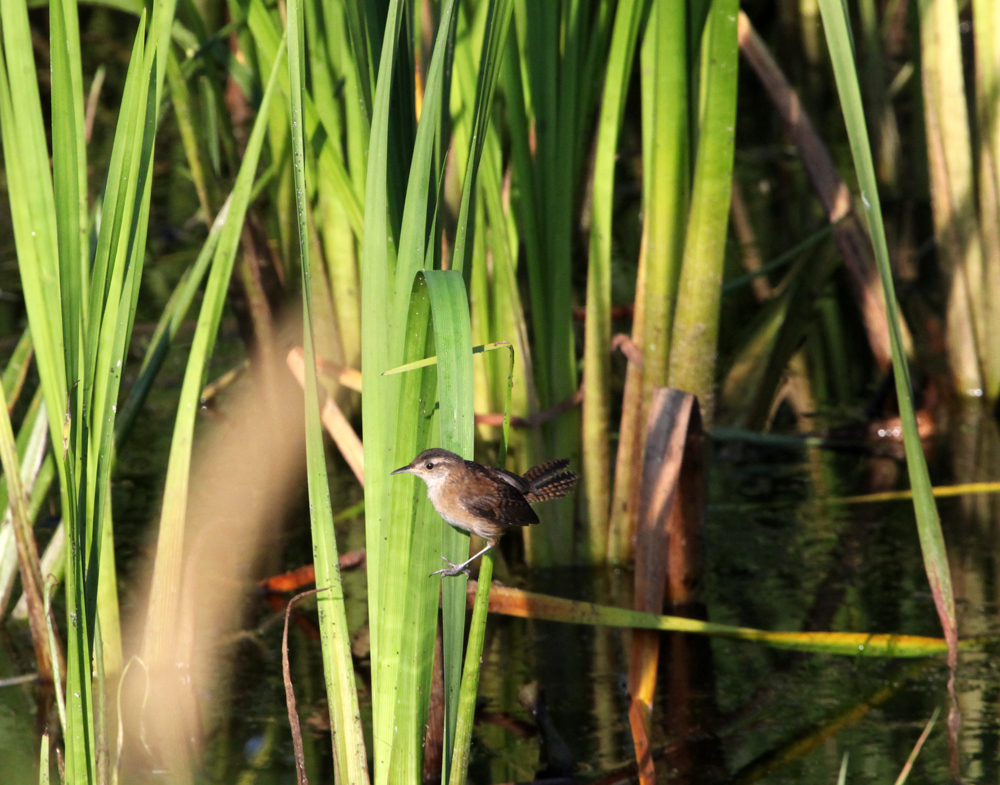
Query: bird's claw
x,y
451,569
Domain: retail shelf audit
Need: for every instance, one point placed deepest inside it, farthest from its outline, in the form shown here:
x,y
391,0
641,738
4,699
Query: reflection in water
x,y
724,710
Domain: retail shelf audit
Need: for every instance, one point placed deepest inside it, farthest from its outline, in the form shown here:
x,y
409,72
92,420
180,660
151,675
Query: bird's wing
x,y
506,506
500,476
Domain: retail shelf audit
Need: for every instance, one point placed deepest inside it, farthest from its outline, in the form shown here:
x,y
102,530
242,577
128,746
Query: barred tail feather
x,y
539,475
552,487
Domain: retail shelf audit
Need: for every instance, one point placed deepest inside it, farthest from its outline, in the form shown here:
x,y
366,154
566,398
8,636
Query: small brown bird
x,y
485,500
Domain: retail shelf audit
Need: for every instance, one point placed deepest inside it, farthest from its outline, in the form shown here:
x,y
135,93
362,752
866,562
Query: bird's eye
x,y
429,465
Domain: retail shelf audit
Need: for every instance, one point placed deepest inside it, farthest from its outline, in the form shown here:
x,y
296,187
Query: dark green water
x,y
726,711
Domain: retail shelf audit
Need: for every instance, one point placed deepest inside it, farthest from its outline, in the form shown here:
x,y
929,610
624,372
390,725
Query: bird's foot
x,y
452,569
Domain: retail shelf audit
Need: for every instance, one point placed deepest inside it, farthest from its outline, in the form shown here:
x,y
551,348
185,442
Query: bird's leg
x,y
457,569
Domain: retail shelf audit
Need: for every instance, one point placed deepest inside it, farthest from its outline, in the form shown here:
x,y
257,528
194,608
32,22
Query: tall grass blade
x,y
928,524
466,709
462,748
69,170
378,404
351,761
665,185
666,148
597,340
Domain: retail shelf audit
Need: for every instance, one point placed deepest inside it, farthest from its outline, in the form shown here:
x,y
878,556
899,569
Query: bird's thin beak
x,y
403,470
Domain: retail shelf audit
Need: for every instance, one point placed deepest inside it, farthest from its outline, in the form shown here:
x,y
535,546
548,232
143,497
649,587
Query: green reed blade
x,y
693,344
667,151
928,524
32,202
477,631
69,171
497,23
597,335
411,593
377,284
380,395
351,762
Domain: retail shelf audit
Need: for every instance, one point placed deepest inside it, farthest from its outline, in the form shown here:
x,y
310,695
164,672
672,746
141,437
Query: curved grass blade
x,y
928,524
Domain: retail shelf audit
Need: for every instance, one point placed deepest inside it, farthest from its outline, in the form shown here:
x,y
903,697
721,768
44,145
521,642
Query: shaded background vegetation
x,y
624,206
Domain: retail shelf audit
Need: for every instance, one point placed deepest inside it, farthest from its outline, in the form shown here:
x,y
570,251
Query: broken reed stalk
x,y
672,414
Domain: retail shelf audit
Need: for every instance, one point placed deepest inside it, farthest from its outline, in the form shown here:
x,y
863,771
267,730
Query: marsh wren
x,y
485,500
